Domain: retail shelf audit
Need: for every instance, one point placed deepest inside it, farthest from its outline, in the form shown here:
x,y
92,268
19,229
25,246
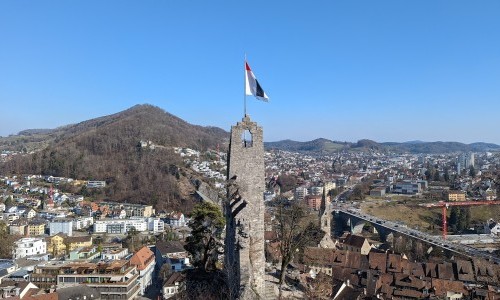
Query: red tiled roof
x,y
142,258
355,240
445,271
408,293
442,286
377,261
403,280
416,269
464,270
318,256
430,270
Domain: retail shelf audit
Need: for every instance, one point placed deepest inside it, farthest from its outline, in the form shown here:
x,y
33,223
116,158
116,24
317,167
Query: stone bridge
x,y
356,222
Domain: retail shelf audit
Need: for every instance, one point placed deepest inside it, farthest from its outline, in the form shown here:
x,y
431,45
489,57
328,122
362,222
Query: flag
x,y
252,86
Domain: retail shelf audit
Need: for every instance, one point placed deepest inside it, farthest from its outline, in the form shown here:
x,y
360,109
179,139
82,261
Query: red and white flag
x,y
252,86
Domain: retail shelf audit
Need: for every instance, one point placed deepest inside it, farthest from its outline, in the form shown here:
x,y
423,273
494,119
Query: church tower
x,y
244,210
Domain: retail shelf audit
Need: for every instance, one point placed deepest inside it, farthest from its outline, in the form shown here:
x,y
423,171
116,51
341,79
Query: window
x,y
246,138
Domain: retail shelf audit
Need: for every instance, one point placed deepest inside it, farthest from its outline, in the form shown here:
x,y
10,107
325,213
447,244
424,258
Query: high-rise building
x,y
465,161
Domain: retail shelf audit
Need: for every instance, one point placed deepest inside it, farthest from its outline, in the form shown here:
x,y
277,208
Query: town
x,y
127,250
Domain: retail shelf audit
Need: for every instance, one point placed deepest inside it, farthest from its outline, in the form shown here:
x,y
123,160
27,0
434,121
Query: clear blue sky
x,y
343,70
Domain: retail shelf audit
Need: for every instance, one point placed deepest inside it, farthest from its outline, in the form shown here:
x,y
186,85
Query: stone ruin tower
x,y
244,211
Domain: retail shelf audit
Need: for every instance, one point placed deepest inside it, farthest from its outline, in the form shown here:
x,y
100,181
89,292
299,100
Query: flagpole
x,y
244,87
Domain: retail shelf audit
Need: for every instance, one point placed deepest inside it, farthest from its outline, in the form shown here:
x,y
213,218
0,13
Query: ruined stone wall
x,y
244,245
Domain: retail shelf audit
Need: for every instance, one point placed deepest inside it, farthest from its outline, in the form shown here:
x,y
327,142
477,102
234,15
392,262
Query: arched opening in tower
x,y
246,137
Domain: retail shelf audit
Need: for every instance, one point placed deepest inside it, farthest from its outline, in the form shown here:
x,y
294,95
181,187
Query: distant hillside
x,y
367,144
316,146
327,146
107,148
441,147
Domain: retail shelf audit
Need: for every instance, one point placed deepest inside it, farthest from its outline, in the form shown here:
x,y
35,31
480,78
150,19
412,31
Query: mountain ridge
x,y
410,147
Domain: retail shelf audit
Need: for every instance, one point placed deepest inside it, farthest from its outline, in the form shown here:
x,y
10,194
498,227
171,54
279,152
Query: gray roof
x,y
78,292
170,247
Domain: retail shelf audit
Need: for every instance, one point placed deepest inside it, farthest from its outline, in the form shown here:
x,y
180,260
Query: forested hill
x,y
325,146
107,148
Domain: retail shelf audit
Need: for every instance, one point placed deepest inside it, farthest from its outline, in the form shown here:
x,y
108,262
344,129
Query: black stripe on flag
x,y
259,91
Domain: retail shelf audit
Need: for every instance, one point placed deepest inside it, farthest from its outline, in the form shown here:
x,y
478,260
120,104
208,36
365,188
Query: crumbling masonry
x,y
244,244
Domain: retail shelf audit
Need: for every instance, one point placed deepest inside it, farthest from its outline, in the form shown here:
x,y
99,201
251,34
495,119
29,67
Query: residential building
x,y
86,253
15,289
119,226
28,247
8,267
313,201
489,194
300,193
407,187
144,261
315,190
456,196
173,253
29,213
378,191
82,223
319,259
96,184
55,244
124,225
155,225
10,217
114,254
59,243
61,226
75,242
36,227
19,227
132,210
356,243
176,219
492,227
113,280
174,284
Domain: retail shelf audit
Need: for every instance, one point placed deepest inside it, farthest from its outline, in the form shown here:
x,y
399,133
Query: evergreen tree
x,y
207,225
467,217
454,216
7,244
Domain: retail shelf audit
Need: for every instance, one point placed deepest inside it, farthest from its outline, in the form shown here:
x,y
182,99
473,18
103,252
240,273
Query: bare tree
x,y
293,234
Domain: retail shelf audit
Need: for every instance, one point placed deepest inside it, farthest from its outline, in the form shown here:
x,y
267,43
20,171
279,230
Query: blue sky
x,y
343,70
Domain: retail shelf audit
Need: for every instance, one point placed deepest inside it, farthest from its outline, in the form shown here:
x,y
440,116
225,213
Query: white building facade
x,y
61,226
28,247
83,222
125,225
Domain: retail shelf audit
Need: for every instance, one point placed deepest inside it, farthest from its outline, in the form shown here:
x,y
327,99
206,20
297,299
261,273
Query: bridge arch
x,y
358,227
